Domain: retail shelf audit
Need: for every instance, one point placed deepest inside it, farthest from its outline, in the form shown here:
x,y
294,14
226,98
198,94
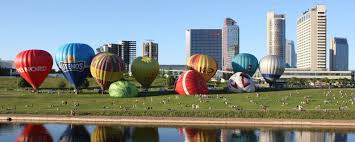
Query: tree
x,y
170,81
85,84
23,83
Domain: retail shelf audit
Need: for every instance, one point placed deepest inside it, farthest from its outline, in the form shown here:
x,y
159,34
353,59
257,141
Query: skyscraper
x,y
290,56
230,42
111,47
311,39
205,41
150,49
127,50
276,34
339,54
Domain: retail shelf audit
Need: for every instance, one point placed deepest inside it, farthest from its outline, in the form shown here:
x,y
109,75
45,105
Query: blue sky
x,y
47,24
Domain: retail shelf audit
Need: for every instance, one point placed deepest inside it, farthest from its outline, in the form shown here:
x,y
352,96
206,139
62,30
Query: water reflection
x,y
116,133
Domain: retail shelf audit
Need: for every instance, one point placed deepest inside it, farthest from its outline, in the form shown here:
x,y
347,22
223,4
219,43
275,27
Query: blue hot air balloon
x,y
74,60
271,68
245,63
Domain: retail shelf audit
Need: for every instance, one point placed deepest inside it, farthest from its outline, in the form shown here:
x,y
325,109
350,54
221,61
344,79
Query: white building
x,y
339,54
311,39
276,34
290,56
230,42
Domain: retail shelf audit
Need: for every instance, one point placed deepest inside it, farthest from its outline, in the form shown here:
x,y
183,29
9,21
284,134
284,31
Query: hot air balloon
x,y
34,133
246,63
74,61
200,135
75,133
107,134
34,66
241,82
271,68
145,135
106,68
191,82
204,64
145,70
123,89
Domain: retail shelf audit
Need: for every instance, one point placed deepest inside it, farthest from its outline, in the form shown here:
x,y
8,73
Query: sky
x,y
48,24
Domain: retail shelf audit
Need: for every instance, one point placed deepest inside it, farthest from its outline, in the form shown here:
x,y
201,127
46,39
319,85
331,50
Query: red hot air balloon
x,y
34,66
34,133
191,82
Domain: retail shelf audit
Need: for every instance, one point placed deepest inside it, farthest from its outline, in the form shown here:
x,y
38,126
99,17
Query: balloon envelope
x,y
34,133
241,82
107,134
271,68
246,63
123,89
145,70
74,61
106,68
200,135
191,82
34,66
204,64
75,133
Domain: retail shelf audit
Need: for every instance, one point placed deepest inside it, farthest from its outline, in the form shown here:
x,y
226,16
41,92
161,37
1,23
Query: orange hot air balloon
x,y
34,133
200,135
204,64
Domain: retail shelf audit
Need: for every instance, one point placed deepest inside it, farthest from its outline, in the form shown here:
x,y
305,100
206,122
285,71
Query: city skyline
x,y
25,23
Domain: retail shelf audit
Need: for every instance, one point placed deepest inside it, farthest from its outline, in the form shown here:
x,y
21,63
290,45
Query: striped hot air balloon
x,y
34,133
191,82
106,68
75,133
200,135
204,64
246,63
271,68
107,134
145,70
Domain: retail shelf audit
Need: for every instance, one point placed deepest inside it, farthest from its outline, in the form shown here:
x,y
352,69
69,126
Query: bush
x,y
85,84
23,83
61,84
170,81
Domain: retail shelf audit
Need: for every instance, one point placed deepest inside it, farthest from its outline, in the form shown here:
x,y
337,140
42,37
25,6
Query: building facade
x,y
290,54
127,50
150,49
230,43
111,47
205,41
339,54
276,34
311,39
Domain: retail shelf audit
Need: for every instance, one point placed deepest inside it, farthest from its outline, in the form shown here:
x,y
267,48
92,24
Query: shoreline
x,y
181,121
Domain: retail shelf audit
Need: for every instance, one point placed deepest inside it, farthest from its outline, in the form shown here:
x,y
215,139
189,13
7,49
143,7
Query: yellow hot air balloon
x,y
204,64
145,70
107,134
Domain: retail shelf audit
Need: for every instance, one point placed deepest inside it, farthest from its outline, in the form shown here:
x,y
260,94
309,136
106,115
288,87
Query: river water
x,y
11,132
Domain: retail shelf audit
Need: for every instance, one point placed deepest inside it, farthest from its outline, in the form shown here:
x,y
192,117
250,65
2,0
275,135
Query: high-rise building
x,y
339,54
290,54
150,49
127,50
205,41
311,39
111,47
276,34
230,42
308,136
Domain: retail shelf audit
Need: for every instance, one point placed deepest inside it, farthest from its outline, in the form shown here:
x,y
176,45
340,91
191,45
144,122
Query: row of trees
x,y
320,82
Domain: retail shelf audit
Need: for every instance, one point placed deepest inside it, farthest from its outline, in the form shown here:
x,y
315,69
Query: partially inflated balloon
x,y
241,82
106,68
123,89
271,68
75,133
34,133
107,134
34,66
145,70
246,63
191,82
204,64
74,61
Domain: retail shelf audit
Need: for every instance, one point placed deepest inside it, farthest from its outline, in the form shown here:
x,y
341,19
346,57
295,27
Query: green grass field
x,y
316,103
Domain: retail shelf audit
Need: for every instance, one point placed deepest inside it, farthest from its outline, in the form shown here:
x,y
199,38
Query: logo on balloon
x,y
32,69
77,66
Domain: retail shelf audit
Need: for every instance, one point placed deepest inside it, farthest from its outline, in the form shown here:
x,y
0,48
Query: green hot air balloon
x,y
123,89
145,70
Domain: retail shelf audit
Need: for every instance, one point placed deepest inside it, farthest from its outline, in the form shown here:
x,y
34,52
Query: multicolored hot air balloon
x,y
74,61
106,68
271,68
123,89
34,66
191,82
204,64
75,133
145,134
107,134
34,133
241,82
200,135
145,70
246,63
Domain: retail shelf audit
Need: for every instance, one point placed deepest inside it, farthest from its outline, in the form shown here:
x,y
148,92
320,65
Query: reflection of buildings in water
x,y
34,133
75,133
107,134
8,127
338,137
199,135
268,135
308,136
238,135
